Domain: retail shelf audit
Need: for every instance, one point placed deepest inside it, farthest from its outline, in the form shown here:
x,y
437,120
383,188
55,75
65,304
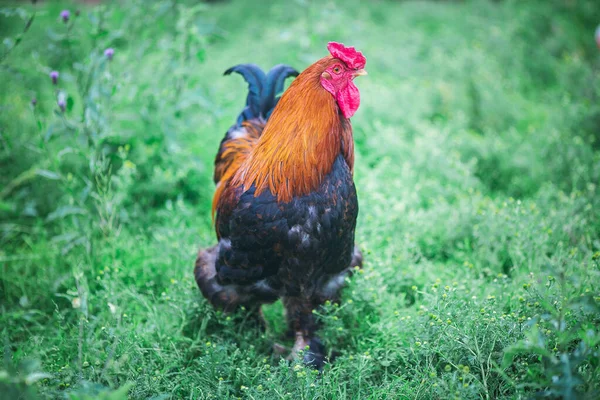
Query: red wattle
x,y
348,99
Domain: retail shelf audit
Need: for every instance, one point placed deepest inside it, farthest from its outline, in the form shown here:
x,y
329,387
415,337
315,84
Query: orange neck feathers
x,y
301,140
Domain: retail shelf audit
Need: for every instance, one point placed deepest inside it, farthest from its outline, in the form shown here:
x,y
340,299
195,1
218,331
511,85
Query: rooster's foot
x,y
311,350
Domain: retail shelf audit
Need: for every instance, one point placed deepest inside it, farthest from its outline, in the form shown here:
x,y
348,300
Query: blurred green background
x,y
477,169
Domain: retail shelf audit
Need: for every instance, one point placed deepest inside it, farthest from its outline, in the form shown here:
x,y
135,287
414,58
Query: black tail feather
x,y
262,89
275,82
256,79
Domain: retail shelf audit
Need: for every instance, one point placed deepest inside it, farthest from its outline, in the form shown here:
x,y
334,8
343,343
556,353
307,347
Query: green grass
x,y
477,169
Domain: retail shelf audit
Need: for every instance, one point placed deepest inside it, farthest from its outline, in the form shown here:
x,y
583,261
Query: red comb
x,y
353,59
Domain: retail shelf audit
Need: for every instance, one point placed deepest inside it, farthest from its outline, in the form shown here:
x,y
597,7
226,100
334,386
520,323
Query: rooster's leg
x,y
302,323
331,289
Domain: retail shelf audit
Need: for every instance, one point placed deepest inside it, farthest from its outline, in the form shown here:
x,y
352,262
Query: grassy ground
x,y
477,169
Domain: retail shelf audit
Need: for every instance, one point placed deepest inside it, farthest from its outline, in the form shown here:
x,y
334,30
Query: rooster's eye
x,y
337,69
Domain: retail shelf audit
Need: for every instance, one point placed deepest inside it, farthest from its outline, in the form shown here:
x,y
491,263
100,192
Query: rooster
x,y
285,206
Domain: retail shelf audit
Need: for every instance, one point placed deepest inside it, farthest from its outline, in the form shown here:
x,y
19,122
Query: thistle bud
x,y
65,15
54,76
109,53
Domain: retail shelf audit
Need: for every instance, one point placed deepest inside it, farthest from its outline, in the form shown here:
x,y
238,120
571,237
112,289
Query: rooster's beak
x,y
360,72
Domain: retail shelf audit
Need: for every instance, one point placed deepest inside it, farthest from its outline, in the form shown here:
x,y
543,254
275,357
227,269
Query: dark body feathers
x,y
293,247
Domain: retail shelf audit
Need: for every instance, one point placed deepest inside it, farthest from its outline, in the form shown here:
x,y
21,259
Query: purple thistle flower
x,y
54,76
109,53
62,104
65,15
34,102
